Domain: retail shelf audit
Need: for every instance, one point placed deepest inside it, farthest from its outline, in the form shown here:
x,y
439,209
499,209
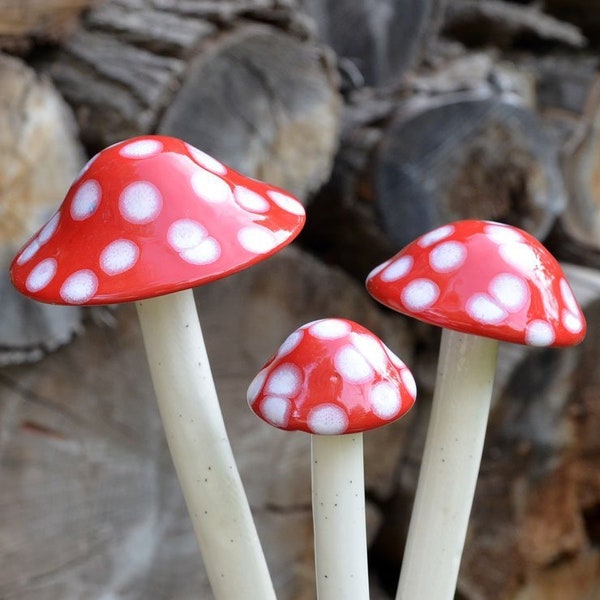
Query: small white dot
x,y
285,380
41,275
385,400
394,358
79,287
141,149
257,239
140,202
397,268
250,200
287,203
378,269
185,234
205,253
435,236
206,161
210,187
256,386
409,382
327,419
352,365
572,323
568,296
503,233
119,256
447,257
49,229
29,252
510,291
520,256
329,329
371,349
539,333
483,309
276,410
420,294
86,200
290,343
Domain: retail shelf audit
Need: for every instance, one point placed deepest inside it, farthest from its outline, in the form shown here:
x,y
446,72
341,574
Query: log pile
x,y
386,119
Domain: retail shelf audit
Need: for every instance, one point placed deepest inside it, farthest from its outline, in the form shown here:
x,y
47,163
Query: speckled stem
x,y
339,517
200,449
449,468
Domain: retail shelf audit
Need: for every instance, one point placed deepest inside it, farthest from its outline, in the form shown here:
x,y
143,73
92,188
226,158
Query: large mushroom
x,y
148,219
481,282
335,379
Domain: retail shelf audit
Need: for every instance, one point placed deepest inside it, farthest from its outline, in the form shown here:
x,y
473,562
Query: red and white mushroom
x,y
146,218
482,282
334,379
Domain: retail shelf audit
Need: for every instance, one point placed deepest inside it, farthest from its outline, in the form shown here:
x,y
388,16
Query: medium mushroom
x,y
148,219
334,379
482,282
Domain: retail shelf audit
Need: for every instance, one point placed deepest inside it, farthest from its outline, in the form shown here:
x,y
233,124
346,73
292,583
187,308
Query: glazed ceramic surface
x,y
482,278
332,376
149,216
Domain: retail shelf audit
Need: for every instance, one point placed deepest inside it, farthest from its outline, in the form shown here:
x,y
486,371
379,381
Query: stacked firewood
x,y
387,119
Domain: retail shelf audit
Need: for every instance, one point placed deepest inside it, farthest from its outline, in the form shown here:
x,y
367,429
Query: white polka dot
x,y
290,343
567,295
509,291
249,200
539,333
378,269
210,187
409,382
435,236
327,419
371,349
140,202
257,239
447,257
329,329
276,410
41,275
502,233
397,268
86,200
352,365
206,161
285,380
185,234
420,294
394,358
520,256
119,256
79,287
49,229
483,309
385,400
141,149
287,203
205,253
572,323
256,386
29,252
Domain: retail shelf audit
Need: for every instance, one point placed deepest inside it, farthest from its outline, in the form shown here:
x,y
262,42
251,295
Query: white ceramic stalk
x,y
200,448
338,495
449,468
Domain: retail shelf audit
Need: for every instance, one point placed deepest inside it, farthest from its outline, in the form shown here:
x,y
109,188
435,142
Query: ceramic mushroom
x,y
148,219
482,282
334,379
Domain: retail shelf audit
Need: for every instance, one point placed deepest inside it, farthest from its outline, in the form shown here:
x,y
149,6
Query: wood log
x,y
261,99
39,157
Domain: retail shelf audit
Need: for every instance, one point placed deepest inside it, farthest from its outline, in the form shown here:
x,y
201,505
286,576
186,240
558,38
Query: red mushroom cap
x,y
149,216
332,376
482,278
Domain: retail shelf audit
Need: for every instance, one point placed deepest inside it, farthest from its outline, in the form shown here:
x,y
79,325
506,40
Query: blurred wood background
x,y
387,118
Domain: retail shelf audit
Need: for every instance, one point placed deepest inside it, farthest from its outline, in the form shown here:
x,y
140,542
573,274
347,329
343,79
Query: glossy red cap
x,y
332,377
150,216
483,278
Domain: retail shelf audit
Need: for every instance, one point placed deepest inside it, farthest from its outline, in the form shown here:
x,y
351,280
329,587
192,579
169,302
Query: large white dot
x,y
41,275
86,200
409,382
287,203
572,323
285,380
385,400
352,365
539,333
276,410
447,257
205,253
371,349
397,268
29,252
210,187
206,161
140,202
435,236
568,296
520,256
420,294
483,309
49,229
510,291
257,239
290,343
256,386
185,234
119,256
141,149
79,287
329,329
327,419
250,200
502,233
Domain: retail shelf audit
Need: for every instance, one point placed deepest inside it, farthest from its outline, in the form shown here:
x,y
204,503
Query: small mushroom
x,y
334,379
482,282
147,220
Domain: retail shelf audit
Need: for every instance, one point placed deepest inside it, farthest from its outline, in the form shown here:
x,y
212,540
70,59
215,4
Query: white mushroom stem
x,y
338,498
449,467
200,449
